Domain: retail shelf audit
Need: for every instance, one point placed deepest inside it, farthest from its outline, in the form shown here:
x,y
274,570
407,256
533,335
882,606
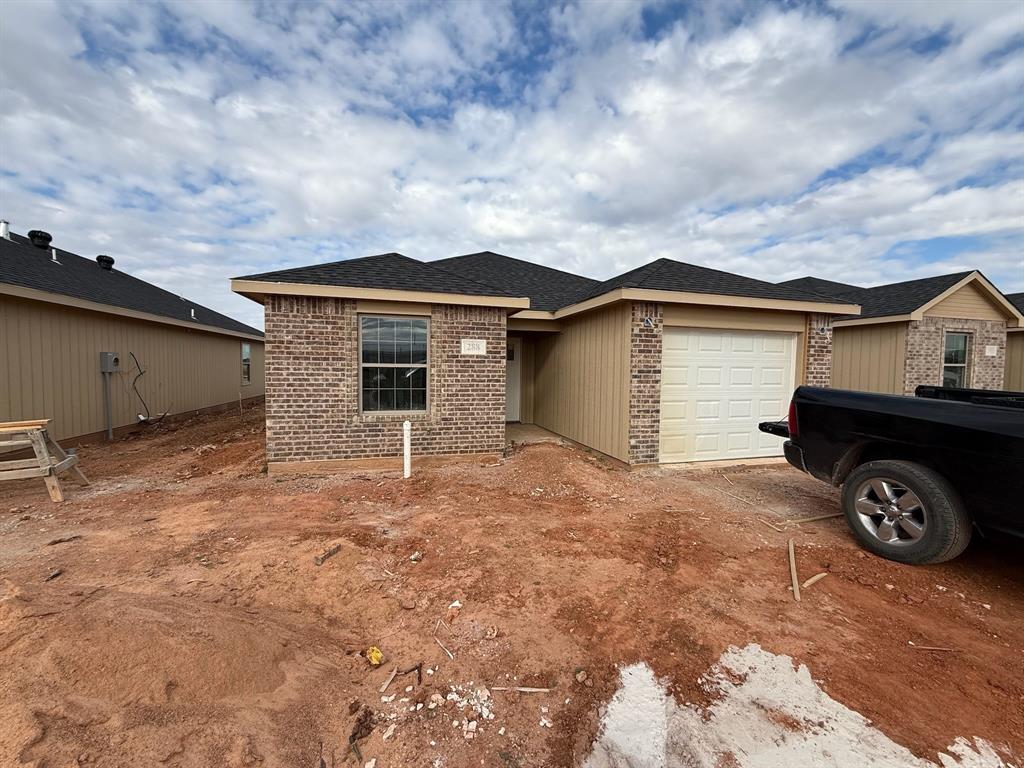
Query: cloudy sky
x,y
860,141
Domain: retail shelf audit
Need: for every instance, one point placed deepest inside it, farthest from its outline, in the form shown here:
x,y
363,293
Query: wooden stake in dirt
x,y
320,559
770,525
792,571
520,689
932,648
815,518
814,580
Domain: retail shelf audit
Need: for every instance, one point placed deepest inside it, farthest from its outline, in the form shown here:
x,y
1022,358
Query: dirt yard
x,y
189,625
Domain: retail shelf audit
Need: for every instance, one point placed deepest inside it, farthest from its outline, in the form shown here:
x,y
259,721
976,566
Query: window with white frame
x,y
393,363
955,360
246,363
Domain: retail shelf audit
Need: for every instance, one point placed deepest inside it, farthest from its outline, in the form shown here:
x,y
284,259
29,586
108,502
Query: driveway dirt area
x,y
173,614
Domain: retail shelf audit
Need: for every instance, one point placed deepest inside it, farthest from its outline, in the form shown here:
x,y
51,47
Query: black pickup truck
x,y
917,473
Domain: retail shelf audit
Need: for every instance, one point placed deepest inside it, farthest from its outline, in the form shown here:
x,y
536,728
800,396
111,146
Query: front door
x,y
513,378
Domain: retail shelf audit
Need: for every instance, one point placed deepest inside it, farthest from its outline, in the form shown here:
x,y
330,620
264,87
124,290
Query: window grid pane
x,y
394,357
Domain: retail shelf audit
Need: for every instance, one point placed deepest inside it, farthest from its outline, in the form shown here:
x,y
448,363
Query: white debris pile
x,y
475,703
767,713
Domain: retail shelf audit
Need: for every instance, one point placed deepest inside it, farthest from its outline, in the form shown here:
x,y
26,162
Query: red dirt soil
x,y
191,627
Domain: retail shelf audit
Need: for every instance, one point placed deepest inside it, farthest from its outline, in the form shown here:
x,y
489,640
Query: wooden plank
x,y
29,423
7,466
14,443
21,474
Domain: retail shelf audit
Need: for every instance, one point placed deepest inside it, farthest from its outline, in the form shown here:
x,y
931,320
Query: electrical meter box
x,y
110,362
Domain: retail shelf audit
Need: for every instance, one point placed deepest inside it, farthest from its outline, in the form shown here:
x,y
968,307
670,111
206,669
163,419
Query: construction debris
x,y
320,559
814,518
391,677
792,572
63,540
522,689
54,575
374,655
450,654
814,579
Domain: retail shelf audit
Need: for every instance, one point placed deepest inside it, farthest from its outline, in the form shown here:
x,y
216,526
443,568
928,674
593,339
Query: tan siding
x,y
734,318
869,358
970,303
1014,380
49,367
527,385
582,380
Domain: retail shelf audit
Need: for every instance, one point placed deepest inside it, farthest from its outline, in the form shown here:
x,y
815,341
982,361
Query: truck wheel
x,y
905,512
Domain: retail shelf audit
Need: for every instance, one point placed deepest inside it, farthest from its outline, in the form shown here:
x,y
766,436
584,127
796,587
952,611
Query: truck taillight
x,y
794,429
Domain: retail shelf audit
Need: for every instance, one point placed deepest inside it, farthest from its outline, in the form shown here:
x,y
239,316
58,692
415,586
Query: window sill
x,y
386,416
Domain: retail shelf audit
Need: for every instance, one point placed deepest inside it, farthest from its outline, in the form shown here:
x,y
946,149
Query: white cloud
x,y
198,141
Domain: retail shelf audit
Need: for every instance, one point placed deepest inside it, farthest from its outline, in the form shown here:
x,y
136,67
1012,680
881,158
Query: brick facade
x,y
926,342
645,383
312,382
818,355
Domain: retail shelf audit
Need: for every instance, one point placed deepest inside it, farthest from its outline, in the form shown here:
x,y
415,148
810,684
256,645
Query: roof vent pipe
x,y
5,229
39,238
53,256
193,313
105,262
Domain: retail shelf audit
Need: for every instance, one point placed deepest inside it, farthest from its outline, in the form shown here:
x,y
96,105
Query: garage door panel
x,y
717,386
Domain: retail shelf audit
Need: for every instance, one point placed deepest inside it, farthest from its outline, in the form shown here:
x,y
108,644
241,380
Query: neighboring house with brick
x,y
949,330
1015,349
669,362
60,311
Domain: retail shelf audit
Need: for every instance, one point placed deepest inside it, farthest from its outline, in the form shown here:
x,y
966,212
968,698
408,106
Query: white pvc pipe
x,y
407,449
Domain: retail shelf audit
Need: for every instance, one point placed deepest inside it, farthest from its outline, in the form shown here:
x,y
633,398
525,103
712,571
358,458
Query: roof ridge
x,y
488,286
520,261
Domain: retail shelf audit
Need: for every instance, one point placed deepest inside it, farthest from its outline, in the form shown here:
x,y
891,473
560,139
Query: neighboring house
x,y
1015,349
667,363
950,330
59,311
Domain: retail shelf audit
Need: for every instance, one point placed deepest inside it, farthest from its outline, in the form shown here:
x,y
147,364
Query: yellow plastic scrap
x,y
374,655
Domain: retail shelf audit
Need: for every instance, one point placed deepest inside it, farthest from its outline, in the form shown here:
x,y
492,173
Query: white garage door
x,y
715,388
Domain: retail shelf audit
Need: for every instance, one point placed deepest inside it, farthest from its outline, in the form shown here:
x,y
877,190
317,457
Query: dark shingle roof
x,y
549,289
387,271
669,275
27,266
903,298
1017,299
827,288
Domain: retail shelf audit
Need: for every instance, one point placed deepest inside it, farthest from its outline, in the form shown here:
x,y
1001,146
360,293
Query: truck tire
x,y
905,512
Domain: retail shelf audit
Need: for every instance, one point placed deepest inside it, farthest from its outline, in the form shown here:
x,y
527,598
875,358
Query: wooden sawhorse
x,y
23,434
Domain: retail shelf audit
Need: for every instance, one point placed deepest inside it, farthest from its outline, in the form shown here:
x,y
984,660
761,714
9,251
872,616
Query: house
x,y
60,311
949,330
1015,349
669,362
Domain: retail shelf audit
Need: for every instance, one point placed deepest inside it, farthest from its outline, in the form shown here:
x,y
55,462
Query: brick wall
x,y
925,344
645,383
312,381
818,361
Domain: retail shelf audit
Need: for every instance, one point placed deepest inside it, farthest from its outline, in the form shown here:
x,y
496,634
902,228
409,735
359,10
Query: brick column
x,y
646,326
818,359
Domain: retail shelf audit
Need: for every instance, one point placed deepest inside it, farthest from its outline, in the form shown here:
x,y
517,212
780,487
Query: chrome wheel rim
x,y
890,512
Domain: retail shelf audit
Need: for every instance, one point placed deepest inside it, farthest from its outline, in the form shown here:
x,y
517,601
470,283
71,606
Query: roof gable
x,y
26,266
548,288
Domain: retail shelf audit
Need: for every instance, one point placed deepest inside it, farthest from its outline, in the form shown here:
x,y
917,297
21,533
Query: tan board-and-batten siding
x,y
582,380
869,358
49,367
1014,380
